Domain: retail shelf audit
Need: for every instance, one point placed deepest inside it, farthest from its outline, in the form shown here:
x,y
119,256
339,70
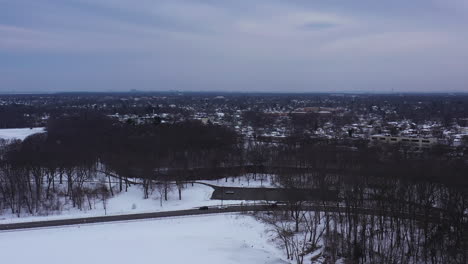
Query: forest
x,y
396,205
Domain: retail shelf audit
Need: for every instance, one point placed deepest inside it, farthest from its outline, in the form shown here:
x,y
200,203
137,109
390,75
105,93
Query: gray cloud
x,y
239,45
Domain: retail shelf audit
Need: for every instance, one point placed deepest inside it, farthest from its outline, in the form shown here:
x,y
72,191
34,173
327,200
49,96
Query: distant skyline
x,y
237,46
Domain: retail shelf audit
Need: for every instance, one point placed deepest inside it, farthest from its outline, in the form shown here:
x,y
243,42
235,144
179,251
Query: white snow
x,y
247,181
226,239
132,202
19,133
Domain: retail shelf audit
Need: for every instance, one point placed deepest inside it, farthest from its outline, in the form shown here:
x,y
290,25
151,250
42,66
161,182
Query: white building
x,y
414,141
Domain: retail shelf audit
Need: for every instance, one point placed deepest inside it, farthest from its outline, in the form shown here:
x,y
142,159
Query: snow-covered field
x,y
19,133
226,239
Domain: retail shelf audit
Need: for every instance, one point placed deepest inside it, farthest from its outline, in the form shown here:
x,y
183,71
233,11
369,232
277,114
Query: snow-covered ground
x,y
247,181
226,239
19,133
132,202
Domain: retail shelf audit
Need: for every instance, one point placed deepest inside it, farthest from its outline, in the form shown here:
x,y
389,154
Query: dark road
x,y
271,194
211,210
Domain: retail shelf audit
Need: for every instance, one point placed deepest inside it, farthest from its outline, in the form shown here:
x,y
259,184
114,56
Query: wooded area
x,y
415,201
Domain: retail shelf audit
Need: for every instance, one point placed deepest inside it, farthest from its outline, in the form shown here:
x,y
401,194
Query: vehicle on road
x,y
203,208
229,192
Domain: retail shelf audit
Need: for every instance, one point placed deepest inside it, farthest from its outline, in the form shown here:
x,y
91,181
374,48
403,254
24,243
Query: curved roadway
x,y
210,210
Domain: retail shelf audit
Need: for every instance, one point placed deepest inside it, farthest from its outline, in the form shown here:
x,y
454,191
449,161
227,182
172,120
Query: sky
x,y
234,45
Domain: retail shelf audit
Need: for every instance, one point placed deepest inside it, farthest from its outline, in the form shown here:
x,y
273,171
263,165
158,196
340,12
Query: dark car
x,y
203,208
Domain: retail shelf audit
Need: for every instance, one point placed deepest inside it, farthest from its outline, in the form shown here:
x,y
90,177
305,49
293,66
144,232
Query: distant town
x,y
420,120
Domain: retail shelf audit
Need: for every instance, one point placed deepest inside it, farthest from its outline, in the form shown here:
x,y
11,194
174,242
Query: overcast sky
x,y
234,45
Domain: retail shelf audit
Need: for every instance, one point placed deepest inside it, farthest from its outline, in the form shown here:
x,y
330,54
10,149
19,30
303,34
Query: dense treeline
x,y
14,116
396,205
92,148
